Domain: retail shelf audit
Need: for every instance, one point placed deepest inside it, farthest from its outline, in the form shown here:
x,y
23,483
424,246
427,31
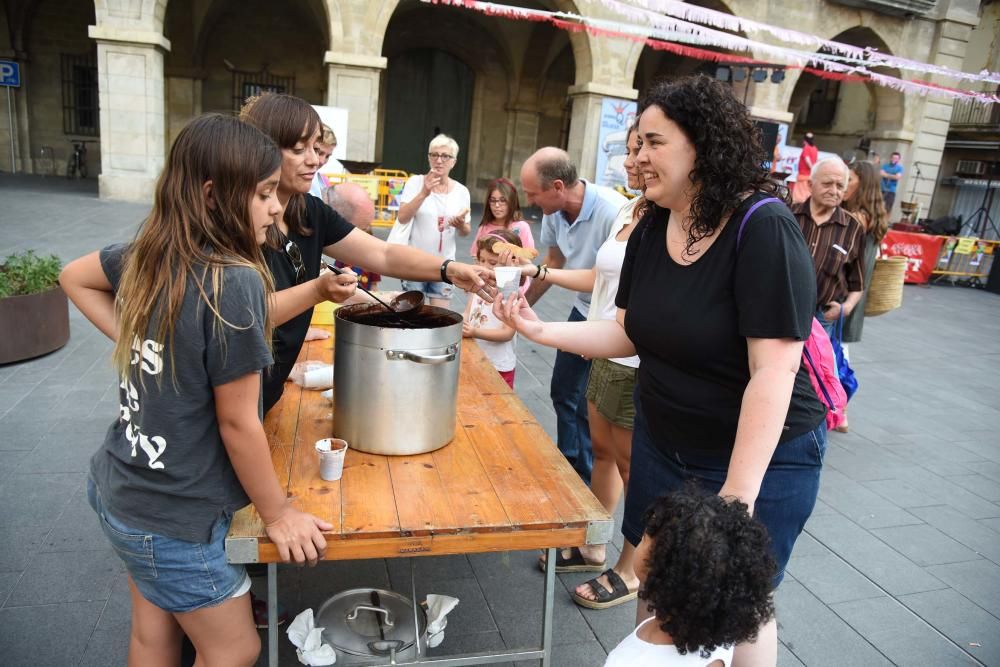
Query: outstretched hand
x,y
473,279
515,312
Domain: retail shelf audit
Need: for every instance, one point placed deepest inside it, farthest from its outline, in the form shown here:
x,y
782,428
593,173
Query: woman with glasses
x,y
436,207
309,229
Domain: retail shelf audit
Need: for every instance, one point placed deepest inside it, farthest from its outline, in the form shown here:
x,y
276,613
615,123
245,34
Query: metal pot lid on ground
x,y
358,623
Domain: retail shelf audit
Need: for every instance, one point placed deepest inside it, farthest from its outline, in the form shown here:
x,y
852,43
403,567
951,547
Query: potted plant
x,y
34,311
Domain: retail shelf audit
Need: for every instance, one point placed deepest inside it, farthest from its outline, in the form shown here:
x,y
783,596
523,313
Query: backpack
x,y
817,351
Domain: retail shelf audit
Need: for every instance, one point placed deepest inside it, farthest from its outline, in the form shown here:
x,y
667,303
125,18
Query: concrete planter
x,y
33,325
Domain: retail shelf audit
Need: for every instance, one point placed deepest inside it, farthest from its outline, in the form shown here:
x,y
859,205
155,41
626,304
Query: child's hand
x,y
506,257
467,330
298,536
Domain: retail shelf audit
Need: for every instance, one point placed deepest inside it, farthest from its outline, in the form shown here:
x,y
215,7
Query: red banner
x,y
921,252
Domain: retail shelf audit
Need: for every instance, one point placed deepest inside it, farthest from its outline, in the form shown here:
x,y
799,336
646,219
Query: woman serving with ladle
x,y
309,229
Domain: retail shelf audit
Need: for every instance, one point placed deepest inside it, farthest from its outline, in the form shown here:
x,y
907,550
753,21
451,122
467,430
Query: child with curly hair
x,y
706,571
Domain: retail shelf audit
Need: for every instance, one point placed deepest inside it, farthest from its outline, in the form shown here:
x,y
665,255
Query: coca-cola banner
x,y
921,252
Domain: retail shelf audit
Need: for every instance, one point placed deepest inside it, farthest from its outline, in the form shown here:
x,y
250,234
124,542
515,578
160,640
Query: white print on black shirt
x,y
148,353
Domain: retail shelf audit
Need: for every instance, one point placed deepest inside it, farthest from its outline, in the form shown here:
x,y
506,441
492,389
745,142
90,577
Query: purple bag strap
x,y
743,223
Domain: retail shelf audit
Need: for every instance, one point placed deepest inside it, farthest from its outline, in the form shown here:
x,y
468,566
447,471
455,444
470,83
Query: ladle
x,y
399,305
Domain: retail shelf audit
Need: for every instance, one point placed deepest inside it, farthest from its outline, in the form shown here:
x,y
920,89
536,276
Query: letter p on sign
x,y
10,73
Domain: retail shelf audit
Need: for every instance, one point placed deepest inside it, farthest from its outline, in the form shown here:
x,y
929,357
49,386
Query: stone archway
x,y
453,54
847,117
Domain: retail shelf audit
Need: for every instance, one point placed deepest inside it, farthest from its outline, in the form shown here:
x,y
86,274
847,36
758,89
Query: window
x,y
249,84
79,95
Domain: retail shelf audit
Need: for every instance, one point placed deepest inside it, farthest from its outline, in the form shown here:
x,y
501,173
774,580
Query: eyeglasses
x,y
444,157
497,202
295,257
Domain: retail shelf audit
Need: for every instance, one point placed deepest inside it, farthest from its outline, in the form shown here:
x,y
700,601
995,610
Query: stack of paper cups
x,y
331,458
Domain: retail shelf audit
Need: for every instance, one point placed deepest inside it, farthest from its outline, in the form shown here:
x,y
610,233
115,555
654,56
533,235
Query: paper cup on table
x,y
331,458
508,279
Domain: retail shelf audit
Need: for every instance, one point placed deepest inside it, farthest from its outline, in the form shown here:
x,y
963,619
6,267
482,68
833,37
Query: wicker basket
x,y
886,291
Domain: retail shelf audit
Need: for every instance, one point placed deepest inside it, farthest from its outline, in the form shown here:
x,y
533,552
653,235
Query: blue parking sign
x,y
10,73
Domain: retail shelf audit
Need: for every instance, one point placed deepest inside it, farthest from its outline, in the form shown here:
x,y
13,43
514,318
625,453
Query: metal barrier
x,y
965,259
384,187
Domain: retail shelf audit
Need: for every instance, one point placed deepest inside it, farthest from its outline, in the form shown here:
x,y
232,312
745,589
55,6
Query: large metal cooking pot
x,y
396,381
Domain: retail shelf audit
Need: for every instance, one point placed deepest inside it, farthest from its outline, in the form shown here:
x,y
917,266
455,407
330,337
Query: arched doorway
x,y
847,118
448,71
428,92
223,51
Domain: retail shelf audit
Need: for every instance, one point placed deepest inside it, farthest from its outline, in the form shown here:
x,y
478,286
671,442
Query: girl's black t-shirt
x,y
328,227
690,323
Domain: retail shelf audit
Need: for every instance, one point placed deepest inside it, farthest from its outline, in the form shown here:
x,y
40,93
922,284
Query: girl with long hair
x,y
309,229
502,210
863,199
187,306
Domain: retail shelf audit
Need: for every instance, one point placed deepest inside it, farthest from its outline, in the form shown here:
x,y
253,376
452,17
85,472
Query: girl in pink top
x,y
503,211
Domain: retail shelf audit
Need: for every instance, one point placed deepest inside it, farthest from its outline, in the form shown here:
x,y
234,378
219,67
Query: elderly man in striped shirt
x,y
836,240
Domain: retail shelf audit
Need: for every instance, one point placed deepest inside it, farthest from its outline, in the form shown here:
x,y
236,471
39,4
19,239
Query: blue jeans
x,y
431,289
175,575
569,399
827,325
787,493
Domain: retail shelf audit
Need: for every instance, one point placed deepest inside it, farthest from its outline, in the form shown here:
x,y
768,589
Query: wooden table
x,y
501,485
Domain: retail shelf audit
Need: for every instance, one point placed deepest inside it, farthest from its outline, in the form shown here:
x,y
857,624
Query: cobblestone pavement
x,y
900,563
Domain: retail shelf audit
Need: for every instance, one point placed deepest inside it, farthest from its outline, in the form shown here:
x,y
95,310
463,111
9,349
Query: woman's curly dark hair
x,y
709,570
729,155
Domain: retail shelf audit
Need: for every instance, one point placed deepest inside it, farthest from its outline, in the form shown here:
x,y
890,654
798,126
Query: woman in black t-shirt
x,y
309,228
718,323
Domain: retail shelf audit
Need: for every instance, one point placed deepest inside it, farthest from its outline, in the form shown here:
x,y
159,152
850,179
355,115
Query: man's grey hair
x,y
555,167
831,160
338,203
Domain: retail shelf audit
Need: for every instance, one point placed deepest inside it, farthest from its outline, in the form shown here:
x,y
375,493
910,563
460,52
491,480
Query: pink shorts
x,y
508,377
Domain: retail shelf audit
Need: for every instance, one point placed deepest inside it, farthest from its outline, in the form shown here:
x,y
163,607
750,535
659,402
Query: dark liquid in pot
x,y
374,315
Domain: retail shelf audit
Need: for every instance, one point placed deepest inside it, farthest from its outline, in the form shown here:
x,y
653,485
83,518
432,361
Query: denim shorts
x,y
787,493
432,290
175,575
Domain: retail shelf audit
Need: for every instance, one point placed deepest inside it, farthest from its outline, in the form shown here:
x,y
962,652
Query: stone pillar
x,y
522,139
353,84
585,122
183,103
931,131
133,112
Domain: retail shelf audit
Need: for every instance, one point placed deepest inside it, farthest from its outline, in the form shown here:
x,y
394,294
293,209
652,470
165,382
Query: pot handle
x,y
451,352
387,621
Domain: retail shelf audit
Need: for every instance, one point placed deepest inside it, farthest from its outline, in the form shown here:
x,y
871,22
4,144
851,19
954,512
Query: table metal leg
x,y
272,614
550,587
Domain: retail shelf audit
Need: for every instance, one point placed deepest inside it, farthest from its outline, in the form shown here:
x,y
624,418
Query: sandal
x,y
619,593
575,563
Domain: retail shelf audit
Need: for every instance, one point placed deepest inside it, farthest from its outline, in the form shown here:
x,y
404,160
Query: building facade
x,y
129,74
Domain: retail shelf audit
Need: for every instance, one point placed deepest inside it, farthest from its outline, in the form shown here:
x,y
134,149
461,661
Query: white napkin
x,y
438,608
328,394
308,641
312,375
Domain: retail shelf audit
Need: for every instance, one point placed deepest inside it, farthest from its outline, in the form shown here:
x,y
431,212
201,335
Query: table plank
x,y
474,503
422,502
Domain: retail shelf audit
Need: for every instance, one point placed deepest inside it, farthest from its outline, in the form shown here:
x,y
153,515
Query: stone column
x,y
585,122
522,139
133,112
353,84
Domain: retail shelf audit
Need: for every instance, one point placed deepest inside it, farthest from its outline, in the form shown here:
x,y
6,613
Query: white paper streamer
x,y
671,29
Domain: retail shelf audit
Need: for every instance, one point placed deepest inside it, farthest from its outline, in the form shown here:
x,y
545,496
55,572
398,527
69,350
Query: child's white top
x,y
634,652
481,317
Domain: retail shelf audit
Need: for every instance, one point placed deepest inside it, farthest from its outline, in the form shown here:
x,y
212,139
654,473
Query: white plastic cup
x,y
508,279
331,458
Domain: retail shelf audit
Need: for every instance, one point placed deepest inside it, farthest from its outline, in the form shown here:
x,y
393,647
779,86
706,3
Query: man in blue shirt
x,y
891,173
577,221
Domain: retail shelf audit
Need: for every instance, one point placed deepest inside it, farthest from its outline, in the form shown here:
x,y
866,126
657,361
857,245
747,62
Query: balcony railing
x,y
893,7
967,114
